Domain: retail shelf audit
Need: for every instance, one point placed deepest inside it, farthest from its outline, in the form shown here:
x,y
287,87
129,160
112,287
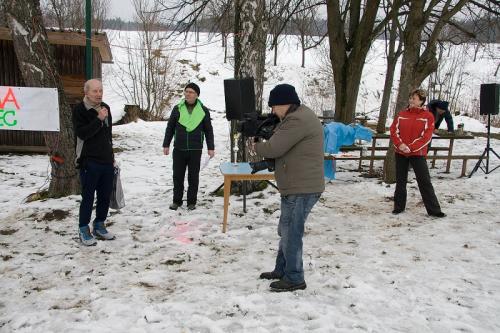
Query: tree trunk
x,y
348,53
386,95
303,58
417,65
347,81
407,82
38,69
225,50
303,45
275,47
249,59
392,60
250,44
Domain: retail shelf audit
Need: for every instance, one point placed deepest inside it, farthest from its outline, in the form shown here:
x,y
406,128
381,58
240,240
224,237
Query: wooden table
x,y
234,172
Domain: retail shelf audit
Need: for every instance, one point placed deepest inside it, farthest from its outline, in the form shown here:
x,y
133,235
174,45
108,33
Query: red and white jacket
x,y
413,127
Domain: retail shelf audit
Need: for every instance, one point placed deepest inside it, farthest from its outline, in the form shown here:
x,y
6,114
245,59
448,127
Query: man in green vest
x,y
189,123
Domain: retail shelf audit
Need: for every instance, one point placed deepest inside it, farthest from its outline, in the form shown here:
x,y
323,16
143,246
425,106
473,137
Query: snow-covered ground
x,y
175,271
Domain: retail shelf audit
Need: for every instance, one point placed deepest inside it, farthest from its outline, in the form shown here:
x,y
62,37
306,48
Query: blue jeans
x,y
95,177
294,211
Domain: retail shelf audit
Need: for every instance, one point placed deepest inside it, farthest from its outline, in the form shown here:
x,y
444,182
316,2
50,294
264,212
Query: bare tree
x,y
250,43
221,11
57,11
392,37
70,14
352,27
275,32
251,26
306,23
423,27
38,69
449,79
148,73
279,14
99,13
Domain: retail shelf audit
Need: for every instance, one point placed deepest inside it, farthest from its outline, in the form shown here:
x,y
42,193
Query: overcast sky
x,y
122,9
125,10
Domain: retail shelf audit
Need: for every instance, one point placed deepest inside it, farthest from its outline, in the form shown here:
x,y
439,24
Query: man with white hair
x,y
92,124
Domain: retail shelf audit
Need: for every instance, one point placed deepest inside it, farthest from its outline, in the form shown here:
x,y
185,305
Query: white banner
x,y
29,109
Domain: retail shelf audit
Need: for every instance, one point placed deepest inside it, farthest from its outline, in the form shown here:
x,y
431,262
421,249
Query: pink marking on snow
x,y
182,227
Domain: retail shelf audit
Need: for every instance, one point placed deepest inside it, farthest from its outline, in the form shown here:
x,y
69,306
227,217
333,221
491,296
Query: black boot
x,y
270,275
283,285
174,206
440,214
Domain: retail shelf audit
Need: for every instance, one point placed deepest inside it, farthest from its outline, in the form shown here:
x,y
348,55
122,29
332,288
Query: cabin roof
x,y
72,37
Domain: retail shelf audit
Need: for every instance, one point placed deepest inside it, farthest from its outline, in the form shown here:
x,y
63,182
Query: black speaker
x,y
489,98
240,97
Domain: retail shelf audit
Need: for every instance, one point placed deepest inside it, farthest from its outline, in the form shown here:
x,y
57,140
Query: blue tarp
x,y
337,135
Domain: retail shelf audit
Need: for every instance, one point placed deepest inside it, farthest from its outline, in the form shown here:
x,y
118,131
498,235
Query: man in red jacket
x,y
411,133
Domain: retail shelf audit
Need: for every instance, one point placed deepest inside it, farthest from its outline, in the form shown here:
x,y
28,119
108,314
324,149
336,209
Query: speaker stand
x,y
486,153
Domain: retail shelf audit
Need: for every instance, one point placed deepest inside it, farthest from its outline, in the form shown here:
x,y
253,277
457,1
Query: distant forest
x,y
484,31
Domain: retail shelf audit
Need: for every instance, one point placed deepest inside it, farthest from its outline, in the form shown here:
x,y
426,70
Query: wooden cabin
x,y
69,52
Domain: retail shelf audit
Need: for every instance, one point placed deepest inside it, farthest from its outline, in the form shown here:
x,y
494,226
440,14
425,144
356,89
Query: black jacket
x,y
95,134
438,118
189,140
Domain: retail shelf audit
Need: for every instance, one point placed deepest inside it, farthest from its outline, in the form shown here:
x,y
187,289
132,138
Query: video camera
x,y
259,126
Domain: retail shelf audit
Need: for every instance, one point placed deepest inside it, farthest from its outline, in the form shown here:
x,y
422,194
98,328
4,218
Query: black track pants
x,y
183,159
419,165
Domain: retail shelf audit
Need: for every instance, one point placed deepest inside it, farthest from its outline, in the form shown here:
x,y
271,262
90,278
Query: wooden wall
x,y
70,62
10,75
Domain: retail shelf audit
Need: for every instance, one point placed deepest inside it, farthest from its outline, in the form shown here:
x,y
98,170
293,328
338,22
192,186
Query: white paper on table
x,y
204,162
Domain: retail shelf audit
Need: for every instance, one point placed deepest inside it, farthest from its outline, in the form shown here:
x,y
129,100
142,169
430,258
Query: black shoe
x,y
397,211
174,206
440,214
270,276
282,285
191,207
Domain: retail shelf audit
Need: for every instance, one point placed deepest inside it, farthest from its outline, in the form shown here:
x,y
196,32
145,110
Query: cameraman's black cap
x,y
193,86
283,94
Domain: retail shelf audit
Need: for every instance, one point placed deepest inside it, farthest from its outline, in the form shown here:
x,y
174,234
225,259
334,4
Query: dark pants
x,y
95,177
189,159
419,165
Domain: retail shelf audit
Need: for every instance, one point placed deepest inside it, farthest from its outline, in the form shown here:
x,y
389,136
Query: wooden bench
x,y
359,149
433,152
464,159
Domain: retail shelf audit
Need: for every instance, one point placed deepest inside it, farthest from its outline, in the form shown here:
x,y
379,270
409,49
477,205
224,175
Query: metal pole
x,y
88,36
488,145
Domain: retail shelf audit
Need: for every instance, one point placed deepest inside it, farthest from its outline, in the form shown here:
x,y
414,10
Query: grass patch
x,y
56,214
41,195
8,232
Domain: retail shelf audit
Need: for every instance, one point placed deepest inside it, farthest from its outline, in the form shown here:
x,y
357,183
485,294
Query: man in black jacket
x,y
94,157
190,122
440,111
